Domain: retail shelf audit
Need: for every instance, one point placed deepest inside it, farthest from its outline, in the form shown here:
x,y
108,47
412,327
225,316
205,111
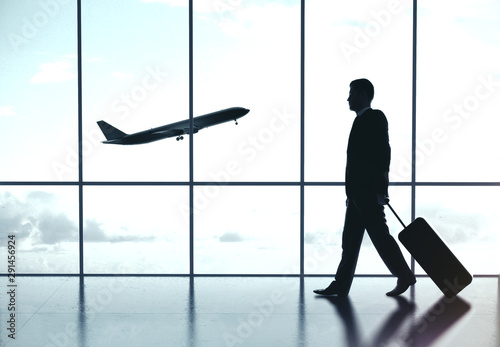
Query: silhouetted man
x,y
366,183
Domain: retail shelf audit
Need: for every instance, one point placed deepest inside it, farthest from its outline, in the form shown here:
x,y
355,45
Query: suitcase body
x,y
434,256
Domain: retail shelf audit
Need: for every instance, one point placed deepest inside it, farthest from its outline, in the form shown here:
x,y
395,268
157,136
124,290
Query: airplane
x,y
115,136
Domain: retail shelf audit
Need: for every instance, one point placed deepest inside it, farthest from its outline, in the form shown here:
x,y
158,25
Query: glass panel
x,y
458,83
346,41
44,222
38,91
467,219
246,230
136,230
135,57
324,221
243,58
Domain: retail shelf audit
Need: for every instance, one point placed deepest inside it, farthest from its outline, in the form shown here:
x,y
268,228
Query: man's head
x,y
360,94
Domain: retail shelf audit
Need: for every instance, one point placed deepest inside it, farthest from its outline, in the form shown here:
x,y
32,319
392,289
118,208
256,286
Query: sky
x,y
135,76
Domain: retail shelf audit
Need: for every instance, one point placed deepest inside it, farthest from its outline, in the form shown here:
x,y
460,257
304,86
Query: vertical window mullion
x,y
191,171
80,136
414,120
302,157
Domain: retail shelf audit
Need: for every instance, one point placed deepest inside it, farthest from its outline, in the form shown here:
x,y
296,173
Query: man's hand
x,y
382,199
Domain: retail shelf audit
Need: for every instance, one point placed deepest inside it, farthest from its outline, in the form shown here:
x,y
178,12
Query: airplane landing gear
x,y
180,138
236,122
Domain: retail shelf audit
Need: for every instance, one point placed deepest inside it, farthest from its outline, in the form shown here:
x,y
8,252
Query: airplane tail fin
x,y
109,131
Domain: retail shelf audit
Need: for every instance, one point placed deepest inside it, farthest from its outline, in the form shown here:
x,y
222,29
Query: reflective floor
x,y
243,311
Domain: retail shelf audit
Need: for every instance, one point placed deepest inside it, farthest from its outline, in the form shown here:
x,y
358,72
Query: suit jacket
x,y
368,155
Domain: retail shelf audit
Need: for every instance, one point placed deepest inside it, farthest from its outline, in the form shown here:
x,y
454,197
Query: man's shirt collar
x,y
360,112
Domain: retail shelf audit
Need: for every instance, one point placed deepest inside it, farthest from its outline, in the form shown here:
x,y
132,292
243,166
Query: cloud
x,y
55,228
54,73
231,237
12,217
35,219
38,220
40,198
309,237
93,232
204,6
259,22
7,111
178,3
130,238
456,227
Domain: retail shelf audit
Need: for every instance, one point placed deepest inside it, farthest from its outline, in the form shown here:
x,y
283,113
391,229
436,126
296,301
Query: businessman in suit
x,y
366,183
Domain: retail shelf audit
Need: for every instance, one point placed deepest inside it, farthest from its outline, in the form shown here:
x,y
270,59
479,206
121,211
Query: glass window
x,y
347,41
38,91
467,220
324,222
135,76
244,58
44,222
135,62
136,230
457,97
246,230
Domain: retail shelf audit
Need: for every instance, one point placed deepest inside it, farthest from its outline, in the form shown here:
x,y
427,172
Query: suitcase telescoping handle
x,y
399,219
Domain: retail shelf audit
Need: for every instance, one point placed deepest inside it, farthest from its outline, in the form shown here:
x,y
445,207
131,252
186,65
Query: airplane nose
x,y
245,111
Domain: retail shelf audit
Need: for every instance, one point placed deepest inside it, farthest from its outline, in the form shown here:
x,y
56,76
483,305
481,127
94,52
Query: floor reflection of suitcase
x,y
434,256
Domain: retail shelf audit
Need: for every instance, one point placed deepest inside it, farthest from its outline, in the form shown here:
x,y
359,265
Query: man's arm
x,y
381,153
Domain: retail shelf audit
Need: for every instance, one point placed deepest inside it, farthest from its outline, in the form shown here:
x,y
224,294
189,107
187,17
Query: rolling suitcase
x,y
434,256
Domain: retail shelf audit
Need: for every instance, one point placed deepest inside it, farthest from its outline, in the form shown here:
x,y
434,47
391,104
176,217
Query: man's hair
x,y
362,85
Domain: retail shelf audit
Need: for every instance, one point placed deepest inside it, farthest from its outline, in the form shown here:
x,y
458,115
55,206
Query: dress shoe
x,y
332,289
401,287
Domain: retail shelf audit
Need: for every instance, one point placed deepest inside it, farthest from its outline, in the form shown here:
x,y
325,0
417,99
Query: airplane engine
x,y
186,131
